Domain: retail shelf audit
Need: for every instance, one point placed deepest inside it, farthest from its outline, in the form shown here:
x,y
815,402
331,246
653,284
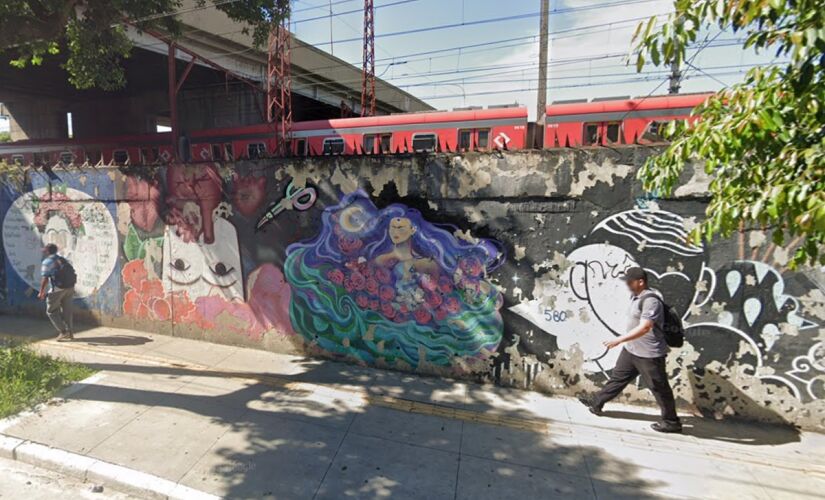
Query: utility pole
x,y
543,53
675,69
675,77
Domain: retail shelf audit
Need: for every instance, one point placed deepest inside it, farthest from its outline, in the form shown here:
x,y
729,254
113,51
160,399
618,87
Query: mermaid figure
x,y
385,285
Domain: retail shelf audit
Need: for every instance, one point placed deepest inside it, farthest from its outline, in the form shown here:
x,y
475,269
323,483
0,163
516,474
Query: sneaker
x,y
666,427
65,337
595,410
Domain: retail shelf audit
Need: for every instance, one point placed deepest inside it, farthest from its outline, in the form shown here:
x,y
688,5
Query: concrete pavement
x,y
243,423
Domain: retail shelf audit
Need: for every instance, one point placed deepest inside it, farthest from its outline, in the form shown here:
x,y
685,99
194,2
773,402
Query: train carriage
x,y
600,122
615,121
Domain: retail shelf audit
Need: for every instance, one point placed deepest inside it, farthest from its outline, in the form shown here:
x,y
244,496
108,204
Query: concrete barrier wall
x,y
493,267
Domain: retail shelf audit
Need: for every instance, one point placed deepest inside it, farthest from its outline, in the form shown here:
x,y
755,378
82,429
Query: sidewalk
x,y
243,423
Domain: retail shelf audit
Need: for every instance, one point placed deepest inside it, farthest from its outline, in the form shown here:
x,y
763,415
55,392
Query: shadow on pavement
x,y
265,441
113,340
705,428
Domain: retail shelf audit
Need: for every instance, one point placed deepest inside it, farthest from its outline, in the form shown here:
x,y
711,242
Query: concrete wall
x,y
499,268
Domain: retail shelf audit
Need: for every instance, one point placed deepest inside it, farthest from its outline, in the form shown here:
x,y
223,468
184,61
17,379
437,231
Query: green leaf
x,y
132,245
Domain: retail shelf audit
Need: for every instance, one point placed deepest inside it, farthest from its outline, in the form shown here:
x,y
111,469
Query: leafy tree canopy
x,y
93,32
763,140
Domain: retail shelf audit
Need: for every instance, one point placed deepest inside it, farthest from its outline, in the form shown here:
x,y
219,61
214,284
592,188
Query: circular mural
x,y
83,230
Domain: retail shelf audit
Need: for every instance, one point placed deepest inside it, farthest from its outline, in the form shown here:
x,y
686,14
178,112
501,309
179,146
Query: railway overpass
x,y
39,100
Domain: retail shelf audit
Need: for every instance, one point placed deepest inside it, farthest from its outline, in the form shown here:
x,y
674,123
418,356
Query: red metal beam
x,y
368,73
185,74
279,86
173,99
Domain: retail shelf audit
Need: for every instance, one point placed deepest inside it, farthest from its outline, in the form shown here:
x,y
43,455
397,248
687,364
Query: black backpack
x,y
65,276
672,325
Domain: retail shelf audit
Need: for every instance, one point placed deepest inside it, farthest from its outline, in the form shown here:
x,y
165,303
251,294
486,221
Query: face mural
x,y
83,229
189,270
387,286
204,269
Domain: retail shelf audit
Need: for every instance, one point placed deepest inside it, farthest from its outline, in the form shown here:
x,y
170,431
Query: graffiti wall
x,y
497,268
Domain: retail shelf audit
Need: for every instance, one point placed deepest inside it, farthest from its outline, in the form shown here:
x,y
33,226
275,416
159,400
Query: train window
x,y
228,151
120,156
301,148
144,156
369,144
333,146
256,150
424,142
93,157
386,143
591,134
483,139
217,152
66,158
464,139
613,132
17,159
654,132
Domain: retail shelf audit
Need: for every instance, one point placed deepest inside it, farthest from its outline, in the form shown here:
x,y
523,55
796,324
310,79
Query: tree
x,y
762,141
93,32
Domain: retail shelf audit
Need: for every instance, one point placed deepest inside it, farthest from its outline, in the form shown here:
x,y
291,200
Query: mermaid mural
x,y
386,286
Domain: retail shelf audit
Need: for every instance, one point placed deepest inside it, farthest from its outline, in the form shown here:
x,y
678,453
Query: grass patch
x,y
28,378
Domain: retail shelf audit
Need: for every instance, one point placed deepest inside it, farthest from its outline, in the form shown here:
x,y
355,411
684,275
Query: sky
x,y
497,62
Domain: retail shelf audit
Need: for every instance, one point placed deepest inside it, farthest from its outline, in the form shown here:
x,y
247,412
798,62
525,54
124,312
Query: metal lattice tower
x,y
279,86
368,74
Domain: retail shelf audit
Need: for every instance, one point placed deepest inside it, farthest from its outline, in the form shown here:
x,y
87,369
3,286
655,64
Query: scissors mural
x,y
296,198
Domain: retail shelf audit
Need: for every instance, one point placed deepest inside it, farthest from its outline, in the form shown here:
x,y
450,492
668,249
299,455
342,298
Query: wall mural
x,y
188,268
736,315
281,258
385,285
83,230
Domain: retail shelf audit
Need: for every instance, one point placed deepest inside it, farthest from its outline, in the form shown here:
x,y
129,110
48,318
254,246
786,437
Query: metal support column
x,y
368,73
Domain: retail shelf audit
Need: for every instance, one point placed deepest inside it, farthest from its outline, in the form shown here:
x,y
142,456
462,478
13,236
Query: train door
x,y
477,139
602,133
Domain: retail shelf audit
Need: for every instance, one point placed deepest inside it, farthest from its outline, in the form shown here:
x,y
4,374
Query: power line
x,y
488,21
575,85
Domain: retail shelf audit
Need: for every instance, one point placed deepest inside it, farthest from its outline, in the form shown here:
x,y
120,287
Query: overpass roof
x,y
316,74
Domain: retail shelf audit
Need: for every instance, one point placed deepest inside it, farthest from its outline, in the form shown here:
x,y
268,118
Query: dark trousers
x,y
654,376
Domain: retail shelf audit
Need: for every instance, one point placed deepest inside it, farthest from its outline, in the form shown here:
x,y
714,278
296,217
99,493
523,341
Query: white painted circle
x,y
83,229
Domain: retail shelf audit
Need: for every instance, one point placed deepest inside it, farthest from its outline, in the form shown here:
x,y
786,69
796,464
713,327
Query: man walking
x,y
644,353
60,278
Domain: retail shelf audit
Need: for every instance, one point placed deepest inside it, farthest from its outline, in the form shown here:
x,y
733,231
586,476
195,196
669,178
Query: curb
x,y
123,479
88,469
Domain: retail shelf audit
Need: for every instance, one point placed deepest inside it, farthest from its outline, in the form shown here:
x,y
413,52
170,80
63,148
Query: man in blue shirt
x,y
644,353
59,305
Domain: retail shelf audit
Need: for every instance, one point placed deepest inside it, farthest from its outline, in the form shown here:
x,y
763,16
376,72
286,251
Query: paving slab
x,y
329,411
165,442
368,467
481,478
672,474
411,428
520,447
265,456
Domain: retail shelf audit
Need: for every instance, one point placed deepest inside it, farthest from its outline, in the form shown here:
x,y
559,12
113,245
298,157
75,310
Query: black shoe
x,y
666,427
595,410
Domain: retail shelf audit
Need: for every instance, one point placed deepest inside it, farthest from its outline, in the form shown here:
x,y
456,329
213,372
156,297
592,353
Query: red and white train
x,y
600,122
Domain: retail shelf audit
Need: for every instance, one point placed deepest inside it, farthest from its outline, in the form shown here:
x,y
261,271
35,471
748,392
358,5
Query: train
x,y
579,123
